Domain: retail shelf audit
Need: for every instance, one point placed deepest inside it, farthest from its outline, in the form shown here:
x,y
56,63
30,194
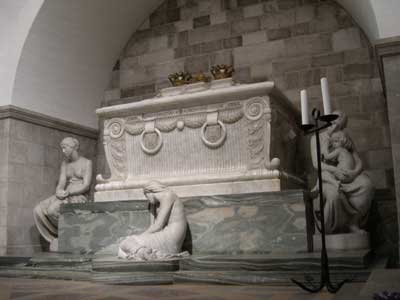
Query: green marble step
x,y
114,264
13,260
133,278
276,261
53,259
46,273
264,278
266,269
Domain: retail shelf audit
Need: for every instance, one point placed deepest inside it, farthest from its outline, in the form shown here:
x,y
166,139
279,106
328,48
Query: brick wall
x,y
290,42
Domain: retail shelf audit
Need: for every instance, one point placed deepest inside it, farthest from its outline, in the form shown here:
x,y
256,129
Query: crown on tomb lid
x,y
222,71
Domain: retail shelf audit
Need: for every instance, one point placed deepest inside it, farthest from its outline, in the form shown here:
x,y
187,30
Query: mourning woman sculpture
x,y
164,238
73,187
348,192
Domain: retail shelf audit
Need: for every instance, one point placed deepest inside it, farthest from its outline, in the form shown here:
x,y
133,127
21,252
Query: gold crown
x,y
222,71
180,78
200,77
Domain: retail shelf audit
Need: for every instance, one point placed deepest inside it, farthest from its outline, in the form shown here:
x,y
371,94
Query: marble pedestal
x,y
229,224
344,241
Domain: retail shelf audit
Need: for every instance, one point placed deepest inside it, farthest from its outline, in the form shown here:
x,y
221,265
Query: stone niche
x,y
205,140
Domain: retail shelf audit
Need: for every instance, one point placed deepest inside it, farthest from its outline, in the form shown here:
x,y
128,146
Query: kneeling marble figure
x,y
164,238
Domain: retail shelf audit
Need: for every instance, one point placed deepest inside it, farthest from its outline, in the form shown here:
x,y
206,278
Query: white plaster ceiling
x,y
68,53
378,18
67,59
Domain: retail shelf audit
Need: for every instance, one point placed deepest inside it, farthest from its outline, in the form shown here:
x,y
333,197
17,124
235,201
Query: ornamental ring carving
x,y
157,147
217,143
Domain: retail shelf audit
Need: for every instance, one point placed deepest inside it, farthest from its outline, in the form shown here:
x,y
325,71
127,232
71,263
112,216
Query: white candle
x,y
326,99
304,108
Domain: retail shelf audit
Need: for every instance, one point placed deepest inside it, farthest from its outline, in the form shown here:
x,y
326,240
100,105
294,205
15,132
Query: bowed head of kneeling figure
x,y
164,238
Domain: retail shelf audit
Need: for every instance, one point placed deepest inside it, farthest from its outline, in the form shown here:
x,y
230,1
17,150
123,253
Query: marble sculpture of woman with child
x,y
348,191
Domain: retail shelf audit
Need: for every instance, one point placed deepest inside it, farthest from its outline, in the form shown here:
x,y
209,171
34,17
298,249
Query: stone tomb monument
x,y
228,151
219,140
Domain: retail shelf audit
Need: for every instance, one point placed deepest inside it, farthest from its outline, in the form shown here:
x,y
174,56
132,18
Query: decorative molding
x,y
385,48
207,97
165,122
22,114
140,182
115,151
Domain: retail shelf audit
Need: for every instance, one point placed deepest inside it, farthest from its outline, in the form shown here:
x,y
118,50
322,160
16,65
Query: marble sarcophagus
x,y
206,140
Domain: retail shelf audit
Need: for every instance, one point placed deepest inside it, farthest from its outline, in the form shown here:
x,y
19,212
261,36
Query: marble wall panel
x,y
253,223
383,226
88,228
28,175
3,240
391,67
4,150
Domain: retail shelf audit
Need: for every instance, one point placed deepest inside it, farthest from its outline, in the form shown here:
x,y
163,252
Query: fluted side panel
x,y
184,153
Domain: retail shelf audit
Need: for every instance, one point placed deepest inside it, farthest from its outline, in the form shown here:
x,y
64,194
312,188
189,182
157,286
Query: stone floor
x,y
40,289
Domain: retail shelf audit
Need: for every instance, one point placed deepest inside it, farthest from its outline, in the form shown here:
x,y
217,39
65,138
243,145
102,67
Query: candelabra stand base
x,y
325,277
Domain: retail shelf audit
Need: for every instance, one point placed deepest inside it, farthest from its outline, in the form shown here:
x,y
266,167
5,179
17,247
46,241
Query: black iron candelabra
x,y
320,122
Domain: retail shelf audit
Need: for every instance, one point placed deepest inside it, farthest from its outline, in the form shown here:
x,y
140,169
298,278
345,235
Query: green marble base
x,y
229,224
264,277
270,269
91,227
64,273
13,260
136,278
114,264
51,259
277,262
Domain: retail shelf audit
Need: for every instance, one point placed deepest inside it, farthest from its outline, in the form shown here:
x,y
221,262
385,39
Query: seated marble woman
x,y
73,187
164,238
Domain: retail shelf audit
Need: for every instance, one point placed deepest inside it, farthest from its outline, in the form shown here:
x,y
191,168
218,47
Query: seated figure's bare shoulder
x,y
83,163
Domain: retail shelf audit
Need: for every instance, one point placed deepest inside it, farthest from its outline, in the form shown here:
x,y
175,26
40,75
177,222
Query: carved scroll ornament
x,y
258,113
115,149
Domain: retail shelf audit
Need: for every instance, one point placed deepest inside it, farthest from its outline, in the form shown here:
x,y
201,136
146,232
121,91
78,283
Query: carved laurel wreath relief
x,y
256,111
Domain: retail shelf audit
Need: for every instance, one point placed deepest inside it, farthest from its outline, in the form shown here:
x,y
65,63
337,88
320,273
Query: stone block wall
x,y
4,150
30,165
291,42
389,54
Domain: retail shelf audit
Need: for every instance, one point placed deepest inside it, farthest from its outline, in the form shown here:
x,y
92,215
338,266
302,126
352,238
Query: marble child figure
x,y
341,155
164,238
347,189
73,187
